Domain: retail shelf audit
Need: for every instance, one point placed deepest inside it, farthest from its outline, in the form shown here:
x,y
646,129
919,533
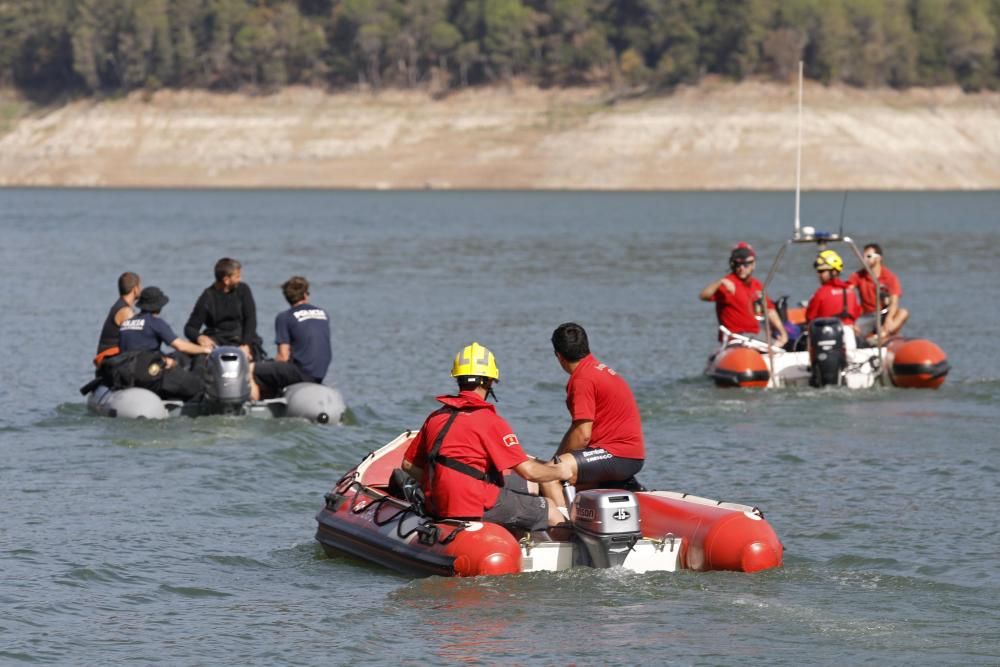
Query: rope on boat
x,y
428,533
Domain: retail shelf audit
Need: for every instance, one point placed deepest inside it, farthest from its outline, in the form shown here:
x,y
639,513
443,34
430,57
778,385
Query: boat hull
x,y
317,403
909,363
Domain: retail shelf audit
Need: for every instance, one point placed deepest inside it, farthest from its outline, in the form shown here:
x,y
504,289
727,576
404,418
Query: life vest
x,y
139,368
843,314
434,458
104,354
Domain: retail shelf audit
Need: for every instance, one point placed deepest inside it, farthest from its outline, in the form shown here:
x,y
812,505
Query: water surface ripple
x,y
191,541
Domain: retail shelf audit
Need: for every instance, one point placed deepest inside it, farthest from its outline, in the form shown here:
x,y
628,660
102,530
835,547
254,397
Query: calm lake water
x,y
190,541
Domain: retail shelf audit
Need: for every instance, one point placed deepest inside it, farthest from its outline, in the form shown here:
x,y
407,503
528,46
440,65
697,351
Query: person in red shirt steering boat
x,y
739,298
880,289
469,461
603,444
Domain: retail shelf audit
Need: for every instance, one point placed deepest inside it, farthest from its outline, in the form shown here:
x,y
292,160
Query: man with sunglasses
x,y
739,298
880,289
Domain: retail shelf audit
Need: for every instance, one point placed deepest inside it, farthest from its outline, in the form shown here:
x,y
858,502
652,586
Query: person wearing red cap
x,y
739,298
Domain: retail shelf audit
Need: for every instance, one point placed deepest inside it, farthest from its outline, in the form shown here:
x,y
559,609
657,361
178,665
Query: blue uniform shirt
x,y
307,329
145,331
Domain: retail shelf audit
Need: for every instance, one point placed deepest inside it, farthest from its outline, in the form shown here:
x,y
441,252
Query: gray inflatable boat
x,y
227,392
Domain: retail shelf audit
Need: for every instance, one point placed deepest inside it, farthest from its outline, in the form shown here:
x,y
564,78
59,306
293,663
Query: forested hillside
x,y
108,47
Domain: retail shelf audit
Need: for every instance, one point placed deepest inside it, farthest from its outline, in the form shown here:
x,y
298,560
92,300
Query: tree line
x,y
107,47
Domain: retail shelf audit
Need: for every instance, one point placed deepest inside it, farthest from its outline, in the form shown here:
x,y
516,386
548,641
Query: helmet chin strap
x,y
489,392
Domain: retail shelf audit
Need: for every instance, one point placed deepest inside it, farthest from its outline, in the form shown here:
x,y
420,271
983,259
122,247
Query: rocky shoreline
x,y
717,136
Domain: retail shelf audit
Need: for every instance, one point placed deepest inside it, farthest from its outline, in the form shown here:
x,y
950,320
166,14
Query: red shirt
x,y
863,281
834,299
737,312
478,437
597,393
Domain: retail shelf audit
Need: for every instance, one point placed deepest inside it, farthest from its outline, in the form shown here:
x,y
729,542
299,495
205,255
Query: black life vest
x,y
435,458
138,368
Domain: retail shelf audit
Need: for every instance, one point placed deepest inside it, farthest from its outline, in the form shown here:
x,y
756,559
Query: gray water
x,y
191,541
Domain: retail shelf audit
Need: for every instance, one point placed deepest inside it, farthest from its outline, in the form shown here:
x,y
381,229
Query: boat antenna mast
x,y
798,161
843,210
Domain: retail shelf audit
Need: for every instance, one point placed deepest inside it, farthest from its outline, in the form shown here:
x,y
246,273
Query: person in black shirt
x,y
225,313
129,287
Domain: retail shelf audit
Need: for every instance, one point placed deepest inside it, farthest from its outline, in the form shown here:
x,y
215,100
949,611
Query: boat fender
x,y
484,549
316,402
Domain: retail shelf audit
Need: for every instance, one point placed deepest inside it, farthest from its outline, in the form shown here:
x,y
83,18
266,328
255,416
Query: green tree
x,y
834,44
508,26
468,56
221,22
882,41
42,57
970,41
929,19
733,34
87,46
899,65
375,34
673,40
183,17
575,42
444,38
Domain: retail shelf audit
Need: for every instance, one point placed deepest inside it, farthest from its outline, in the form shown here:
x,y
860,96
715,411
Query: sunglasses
x,y
823,270
750,263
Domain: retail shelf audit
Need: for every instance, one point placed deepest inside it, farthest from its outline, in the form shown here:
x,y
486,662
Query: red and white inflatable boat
x,y
641,531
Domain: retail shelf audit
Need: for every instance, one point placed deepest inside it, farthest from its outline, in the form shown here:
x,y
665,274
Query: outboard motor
x,y
606,523
827,356
227,378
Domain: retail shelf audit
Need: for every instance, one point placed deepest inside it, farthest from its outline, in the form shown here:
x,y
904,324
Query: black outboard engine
x,y
827,356
227,378
606,523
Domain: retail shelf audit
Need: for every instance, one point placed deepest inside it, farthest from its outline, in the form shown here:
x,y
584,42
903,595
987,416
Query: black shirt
x,y
229,318
109,332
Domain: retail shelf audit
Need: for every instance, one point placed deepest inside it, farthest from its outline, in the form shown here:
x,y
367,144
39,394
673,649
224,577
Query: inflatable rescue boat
x,y
903,362
226,392
825,353
830,355
641,531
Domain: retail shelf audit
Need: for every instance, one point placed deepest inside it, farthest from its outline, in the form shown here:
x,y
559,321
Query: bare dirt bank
x,y
715,136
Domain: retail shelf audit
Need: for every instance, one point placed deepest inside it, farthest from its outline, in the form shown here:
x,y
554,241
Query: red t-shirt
x,y
597,393
478,437
834,299
863,281
737,312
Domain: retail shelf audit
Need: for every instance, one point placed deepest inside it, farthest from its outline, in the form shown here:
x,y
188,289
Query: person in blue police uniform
x,y
302,334
147,332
